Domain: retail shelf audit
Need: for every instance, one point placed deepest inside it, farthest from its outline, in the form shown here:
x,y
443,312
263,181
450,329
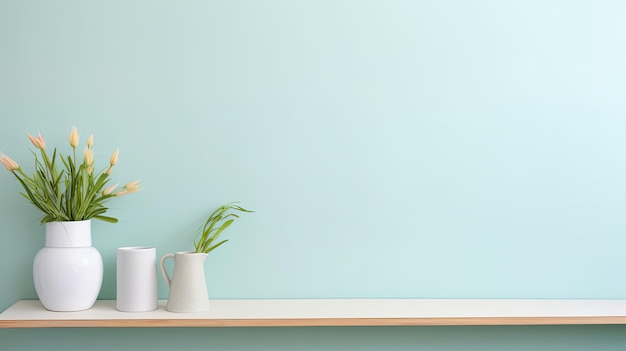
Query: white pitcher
x,y
188,291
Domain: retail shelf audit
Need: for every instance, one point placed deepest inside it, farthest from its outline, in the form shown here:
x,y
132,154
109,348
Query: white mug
x,y
136,279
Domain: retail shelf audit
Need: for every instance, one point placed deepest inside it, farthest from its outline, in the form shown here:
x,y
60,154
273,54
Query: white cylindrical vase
x,y
136,279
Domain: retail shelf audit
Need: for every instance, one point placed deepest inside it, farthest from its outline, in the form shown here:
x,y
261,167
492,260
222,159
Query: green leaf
x,y
106,219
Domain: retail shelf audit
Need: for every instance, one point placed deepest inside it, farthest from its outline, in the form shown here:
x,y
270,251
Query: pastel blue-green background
x,y
390,149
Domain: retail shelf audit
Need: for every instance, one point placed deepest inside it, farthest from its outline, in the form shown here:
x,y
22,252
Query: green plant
x,y
217,222
73,191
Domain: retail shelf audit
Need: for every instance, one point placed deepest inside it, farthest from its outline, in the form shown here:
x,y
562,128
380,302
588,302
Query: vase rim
x,y
136,248
82,220
191,253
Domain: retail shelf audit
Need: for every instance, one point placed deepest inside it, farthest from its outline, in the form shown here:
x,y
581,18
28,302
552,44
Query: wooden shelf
x,y
329,312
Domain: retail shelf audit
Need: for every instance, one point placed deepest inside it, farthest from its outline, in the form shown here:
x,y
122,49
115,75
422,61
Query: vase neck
x,y
68,234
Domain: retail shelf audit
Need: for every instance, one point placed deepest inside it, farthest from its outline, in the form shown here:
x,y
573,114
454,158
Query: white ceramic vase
x,y
136,277
67,272
188,291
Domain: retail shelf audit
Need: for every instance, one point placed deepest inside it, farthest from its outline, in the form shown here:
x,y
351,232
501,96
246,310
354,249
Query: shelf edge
x,y
312,322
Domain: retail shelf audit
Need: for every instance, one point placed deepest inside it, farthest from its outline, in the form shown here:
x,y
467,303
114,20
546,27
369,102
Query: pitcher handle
x,y
167,278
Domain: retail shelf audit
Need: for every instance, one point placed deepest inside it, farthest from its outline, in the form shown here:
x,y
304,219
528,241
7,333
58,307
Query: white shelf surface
x,y
329,312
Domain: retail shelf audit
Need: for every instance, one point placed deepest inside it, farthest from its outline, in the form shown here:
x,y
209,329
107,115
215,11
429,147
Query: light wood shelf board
x,y
329,312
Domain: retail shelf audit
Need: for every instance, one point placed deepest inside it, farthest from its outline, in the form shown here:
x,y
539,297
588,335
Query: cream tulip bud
x,y
132,186
74,137
90,141
37,141
109,190
88,156
114,158
8,163
128,188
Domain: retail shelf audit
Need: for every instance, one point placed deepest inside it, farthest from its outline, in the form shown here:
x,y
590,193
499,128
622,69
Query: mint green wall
x,y
391,149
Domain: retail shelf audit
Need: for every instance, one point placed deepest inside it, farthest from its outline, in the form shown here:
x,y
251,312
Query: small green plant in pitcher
x,y
217,222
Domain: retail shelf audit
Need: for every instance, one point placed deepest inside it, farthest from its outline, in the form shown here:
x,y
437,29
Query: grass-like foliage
x,y
64,187
217,222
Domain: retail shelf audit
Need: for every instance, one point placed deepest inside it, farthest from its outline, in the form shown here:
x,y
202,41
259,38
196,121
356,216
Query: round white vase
x,y
67,272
